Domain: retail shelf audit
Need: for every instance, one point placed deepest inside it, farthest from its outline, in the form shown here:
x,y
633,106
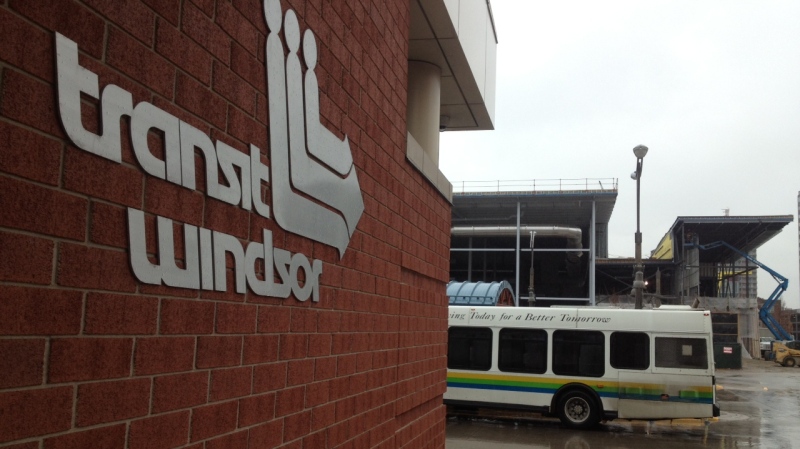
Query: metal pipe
x,y
592,255
516,232
573,235
531,291
638,281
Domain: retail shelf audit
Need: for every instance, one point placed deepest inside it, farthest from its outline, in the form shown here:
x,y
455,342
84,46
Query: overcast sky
x,y
711,87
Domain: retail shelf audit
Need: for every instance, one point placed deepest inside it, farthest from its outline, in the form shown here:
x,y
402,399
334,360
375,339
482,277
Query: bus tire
x,y
578,410
789,361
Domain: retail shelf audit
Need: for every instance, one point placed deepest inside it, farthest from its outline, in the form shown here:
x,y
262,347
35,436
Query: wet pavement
x,y
760,409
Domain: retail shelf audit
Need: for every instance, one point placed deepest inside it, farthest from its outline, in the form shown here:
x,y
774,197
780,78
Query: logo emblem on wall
x,y
314,186
296,135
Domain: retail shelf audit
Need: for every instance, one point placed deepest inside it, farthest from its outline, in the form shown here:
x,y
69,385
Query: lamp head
x,y
640,151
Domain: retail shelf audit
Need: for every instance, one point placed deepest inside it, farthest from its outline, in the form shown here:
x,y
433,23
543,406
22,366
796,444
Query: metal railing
x,y
537,186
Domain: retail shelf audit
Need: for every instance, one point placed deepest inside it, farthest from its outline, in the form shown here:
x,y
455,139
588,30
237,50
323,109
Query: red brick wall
x,y
92,358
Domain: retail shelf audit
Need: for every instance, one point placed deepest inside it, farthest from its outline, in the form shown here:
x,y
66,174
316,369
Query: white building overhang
x,y
459,36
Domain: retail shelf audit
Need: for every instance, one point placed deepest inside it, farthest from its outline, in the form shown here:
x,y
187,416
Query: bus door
x,y
679,383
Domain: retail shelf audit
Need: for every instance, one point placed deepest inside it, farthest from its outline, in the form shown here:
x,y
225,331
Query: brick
x,y
175,202
290,400
304,320
328,321
35,311
29,445
199,100
246,129
317,393
108,225
25,46
217,351
323,416
236,318
247,66
68,18
109,437
319,439
108,75
157,355
269,377
206,6
274,319
267,435
98,177
78,359
96,268
104,402
28,154
180,391
324,368
340,387
179,316
297,425
231,383
29,101
132,16
213,420
298,244
229,294
140,63
236,440
234,23
256,409
31,413
319,345
163,290
159,432
252,11
206,33
260,348
293,346
21,362
184,52
301,372
225,218
26,259
119,314
35,208
261,108
167,9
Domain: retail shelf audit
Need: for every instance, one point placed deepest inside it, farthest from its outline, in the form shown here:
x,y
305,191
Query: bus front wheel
x,y
578,410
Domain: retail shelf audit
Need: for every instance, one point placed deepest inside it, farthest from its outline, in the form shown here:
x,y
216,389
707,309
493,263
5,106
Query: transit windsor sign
x,y
325,208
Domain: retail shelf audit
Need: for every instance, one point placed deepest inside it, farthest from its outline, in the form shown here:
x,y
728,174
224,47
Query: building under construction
x,y
548,240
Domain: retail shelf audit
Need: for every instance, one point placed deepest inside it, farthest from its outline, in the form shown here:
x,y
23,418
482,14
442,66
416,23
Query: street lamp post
x,y
638,283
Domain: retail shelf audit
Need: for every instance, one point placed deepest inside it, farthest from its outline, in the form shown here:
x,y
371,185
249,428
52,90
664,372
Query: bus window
x,y
578,353
469,348
681,353
523,351
630,350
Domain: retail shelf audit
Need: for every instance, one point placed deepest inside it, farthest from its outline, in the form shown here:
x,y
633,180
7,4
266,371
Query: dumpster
x,y
728,355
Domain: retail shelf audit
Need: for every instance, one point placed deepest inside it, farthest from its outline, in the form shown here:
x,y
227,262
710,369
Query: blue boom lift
x,y
765,312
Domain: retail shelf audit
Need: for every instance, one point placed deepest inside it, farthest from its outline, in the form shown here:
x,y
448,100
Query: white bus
x,y
583,364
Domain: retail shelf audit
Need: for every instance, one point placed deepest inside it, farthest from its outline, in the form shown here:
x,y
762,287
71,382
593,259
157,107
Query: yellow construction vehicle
x,y
787,353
